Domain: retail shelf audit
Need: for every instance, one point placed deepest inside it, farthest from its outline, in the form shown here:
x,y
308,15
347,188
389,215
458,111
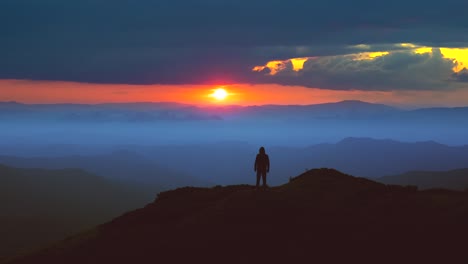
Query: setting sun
x,y
219,94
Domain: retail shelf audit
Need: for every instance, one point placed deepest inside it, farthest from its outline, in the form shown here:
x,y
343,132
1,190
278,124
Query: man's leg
x,y
258,178
264,178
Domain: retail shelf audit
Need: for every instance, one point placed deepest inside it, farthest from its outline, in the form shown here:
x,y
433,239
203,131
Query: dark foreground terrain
x,y
321,216
453,179
39,206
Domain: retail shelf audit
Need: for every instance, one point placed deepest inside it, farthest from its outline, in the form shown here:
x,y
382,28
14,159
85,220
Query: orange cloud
x,y
278,65
274,66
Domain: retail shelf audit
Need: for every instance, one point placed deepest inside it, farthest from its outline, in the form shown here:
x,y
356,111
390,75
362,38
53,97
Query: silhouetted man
x,y
262,166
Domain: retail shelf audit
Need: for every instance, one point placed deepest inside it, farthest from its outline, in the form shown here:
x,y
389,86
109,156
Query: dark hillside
x,y
453,179
39,206
124,166
321,216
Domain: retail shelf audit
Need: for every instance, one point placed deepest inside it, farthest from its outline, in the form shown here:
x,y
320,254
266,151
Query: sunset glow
x,y
458,55
369,55
298,63
153,125
219,94
44,92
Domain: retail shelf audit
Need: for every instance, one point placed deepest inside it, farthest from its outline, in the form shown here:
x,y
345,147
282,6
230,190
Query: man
x,y
262,166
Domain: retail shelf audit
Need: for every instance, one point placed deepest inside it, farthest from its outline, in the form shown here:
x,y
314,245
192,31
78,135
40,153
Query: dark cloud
x,y
398,70
203,41
461,76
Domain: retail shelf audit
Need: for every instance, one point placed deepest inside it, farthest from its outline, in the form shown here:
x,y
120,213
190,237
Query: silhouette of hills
x,y
41,206
172,166
365,157
438,113
340,110
321,216
168,111
453,179
375,158
170,123
126,112
122,165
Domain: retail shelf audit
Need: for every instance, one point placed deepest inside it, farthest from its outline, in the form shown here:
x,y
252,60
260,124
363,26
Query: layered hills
x,y
120,165
170,123
453,179
40,206
321,216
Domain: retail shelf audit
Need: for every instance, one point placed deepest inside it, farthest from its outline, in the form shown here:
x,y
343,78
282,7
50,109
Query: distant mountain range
x,y
39,206
171,123
171,166
454,179
125,112
339,110
321,216
150,112
374,158
232,163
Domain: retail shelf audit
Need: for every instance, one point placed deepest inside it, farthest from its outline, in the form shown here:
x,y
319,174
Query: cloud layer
x,y
412,69
212,41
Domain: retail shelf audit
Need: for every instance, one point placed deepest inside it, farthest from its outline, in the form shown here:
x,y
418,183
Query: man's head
x,y
261,150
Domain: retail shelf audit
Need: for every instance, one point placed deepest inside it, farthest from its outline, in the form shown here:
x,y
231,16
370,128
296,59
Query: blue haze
x,y
206,146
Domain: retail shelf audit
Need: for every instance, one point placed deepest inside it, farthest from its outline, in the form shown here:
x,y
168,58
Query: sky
x,y
405,53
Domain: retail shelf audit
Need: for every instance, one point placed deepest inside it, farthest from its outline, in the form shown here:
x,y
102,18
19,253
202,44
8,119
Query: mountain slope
x,y
121,165
373,158
454,179
40,206
320,216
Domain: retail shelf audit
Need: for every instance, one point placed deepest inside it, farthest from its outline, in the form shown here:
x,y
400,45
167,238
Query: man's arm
x,y
268,163
255,165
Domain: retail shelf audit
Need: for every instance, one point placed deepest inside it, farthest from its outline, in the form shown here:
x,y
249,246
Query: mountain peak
x,y
360,103
365,140
354,102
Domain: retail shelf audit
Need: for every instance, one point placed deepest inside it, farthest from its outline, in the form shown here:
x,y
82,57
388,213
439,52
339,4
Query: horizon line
x,y
219,105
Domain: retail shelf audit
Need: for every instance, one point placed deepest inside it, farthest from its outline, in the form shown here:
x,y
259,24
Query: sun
x,y
219,94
